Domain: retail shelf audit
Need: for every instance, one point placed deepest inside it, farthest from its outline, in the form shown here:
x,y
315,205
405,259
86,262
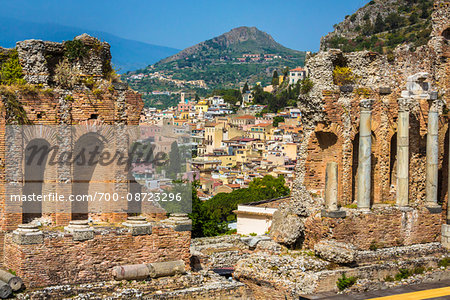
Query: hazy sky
x,y
182,23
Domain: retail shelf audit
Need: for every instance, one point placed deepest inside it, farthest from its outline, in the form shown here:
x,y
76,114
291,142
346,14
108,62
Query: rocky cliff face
x,y
382,25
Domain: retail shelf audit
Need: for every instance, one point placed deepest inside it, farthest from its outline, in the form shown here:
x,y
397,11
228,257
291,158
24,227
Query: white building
x,y
256,217
296,74
247,99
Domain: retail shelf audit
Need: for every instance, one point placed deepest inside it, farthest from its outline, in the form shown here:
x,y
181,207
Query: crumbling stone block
x,y
337,252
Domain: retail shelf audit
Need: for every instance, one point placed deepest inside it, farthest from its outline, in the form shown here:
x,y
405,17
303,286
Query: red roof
x,y
246,117
297,70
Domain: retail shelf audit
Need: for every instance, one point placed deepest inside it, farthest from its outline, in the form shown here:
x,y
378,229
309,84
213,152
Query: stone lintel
x,y
333,213
384,90
434,209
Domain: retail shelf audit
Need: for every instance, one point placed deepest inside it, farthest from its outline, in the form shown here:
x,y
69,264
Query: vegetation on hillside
x,y
382,28
285,95
216,63
210,218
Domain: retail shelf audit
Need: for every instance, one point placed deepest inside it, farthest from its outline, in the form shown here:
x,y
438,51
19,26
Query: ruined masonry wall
x,y
382,227
60,260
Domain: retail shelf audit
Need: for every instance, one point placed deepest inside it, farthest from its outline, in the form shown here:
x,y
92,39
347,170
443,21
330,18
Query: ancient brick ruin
x,y
375,153
69,250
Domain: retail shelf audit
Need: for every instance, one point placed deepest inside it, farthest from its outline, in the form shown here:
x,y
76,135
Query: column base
x,y
333,213
404,208
445,236
434,209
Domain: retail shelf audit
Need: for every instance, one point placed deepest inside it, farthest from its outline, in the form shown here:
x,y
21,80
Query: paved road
x,y
436,290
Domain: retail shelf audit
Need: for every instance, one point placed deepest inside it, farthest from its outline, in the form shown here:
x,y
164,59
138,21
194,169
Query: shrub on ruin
x,y
374,245
403,274
445,262
343,76
65,75
15,113
389,278
11,71
364,92
306,86
89,82
75,49
97,92
345,282
108,72
418,270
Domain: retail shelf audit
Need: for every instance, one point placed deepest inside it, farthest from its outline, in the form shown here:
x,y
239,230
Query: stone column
x,y
403,153
432,160
364,160
331,192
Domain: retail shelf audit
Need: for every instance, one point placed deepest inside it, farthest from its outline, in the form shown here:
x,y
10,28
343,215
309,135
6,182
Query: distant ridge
x,y
127,54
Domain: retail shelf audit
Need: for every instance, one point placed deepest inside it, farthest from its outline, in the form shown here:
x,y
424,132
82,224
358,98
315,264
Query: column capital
x,y
434,105
403,104
366,104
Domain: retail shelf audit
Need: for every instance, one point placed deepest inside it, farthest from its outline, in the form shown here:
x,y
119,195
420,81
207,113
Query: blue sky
x,y
182,23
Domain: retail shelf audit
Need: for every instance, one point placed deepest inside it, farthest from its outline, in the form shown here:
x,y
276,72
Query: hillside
x,y
244,54
381,25
127,54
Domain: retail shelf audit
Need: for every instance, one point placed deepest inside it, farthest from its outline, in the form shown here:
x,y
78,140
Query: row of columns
x,y
364,161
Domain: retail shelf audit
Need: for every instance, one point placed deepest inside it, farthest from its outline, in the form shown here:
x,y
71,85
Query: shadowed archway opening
x,y
443,172
355,161
326,139
446,33
35,162
393,163
83,171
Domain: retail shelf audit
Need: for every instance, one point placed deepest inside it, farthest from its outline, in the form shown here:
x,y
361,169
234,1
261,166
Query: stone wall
x,y
337,139
331,117
40,58
41,107
61,260
379,228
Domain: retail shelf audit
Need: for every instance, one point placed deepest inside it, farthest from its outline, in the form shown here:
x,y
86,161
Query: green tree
x,y
306,86
258,95
11,71
394,20
275,78
379,24
277,120
202,223
174,167
221,206
367,28
245,89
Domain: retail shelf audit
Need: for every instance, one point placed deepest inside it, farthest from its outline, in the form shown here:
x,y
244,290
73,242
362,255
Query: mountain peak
x,y
238,40
243,34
